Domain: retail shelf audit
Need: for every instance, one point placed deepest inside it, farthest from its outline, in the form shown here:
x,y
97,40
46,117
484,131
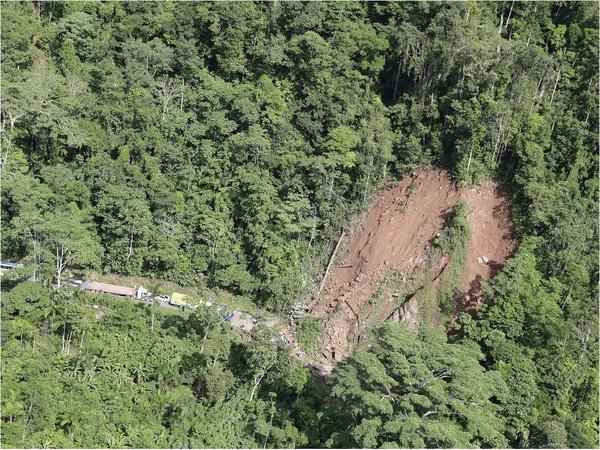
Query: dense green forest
x,y
225,145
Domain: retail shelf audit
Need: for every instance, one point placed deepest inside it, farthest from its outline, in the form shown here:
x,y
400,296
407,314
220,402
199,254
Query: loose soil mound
x,y
394,238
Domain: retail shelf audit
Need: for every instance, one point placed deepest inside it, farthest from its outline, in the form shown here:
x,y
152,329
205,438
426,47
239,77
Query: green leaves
x,y
72,241
11,406
338,144
225,143
309,330
126,225
439,390
182,112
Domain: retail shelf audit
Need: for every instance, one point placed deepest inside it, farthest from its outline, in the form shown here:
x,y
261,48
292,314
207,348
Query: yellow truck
x,y
178,299
183,300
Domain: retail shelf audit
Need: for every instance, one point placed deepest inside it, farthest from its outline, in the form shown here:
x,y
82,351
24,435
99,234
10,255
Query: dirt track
x,y
396,235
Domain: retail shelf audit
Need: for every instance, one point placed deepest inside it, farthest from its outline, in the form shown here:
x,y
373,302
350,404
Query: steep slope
x,y
491,239
394,239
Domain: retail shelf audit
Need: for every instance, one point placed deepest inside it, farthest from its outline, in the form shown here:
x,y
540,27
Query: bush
x,y
308,332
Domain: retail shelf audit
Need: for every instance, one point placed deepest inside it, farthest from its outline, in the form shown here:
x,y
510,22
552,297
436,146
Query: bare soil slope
x,y
396,235
491,240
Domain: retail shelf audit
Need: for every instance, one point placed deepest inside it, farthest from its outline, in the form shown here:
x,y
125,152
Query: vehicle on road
x,y
178,299
110,289
9,265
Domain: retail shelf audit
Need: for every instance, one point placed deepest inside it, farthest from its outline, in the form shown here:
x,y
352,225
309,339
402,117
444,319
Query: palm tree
x,y
23,329
50,313
76,368
90,366
160,402
139,373
154,288
85,323
12,406
61,319
49,443
116,441
68,421
155,304
122,374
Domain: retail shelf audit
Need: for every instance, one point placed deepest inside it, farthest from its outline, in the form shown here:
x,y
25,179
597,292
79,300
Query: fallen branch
x,y
353,312
330,262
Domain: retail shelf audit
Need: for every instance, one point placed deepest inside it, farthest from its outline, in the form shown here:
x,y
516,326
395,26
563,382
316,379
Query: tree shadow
x,y
238,360
446,217
177,323
470,302
502,213
495,267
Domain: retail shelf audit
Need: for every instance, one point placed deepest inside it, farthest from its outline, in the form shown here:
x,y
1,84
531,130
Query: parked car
x,y
228,316
163,298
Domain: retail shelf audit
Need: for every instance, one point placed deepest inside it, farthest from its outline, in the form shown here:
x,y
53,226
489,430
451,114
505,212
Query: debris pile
x,y
395,237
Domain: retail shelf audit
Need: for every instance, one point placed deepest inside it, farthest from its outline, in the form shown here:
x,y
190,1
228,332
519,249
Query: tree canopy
x,y
223,145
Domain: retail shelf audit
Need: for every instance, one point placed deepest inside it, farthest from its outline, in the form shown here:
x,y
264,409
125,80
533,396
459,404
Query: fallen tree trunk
x,y
330,262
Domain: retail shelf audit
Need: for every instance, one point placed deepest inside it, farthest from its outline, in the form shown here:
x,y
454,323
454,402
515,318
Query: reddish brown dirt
x,y
492,233
396,234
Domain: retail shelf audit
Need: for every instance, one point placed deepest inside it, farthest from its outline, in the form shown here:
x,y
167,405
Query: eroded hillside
x,y
395,239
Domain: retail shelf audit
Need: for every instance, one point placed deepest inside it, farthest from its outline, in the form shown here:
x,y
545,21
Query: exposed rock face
x,y
409,314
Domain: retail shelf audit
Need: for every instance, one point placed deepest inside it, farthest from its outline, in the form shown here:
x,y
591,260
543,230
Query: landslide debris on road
x,y
394,240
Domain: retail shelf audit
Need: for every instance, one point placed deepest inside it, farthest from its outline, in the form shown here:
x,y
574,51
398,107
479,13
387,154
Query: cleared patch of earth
x,y
394,240
492,239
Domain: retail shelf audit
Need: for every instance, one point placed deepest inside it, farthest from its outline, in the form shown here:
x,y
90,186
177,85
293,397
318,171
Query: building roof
x,y
109,288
